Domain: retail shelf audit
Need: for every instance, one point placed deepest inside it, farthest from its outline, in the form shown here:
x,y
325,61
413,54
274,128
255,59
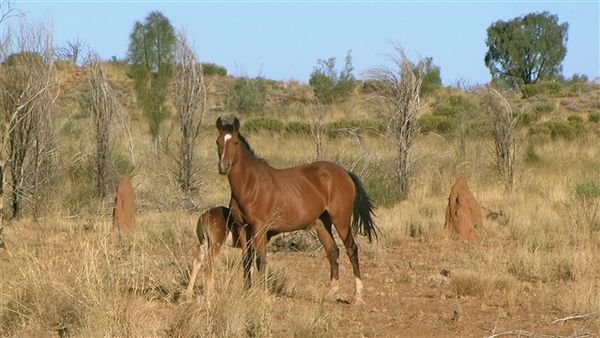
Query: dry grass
x,y
71,276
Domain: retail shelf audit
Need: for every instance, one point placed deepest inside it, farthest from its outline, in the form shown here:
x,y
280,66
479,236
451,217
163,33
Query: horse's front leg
x,y
333,253
247,254
260,247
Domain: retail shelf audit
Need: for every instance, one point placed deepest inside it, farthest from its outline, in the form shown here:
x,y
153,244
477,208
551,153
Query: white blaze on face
x,y
226,138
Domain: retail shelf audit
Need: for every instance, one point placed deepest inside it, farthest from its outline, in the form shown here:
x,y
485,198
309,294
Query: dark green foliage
x,y
437,123
328,85
531,155
529,117
356,126
372,86
300,128
247,95
526,49
123,165
575,119
383,188
151,55
543,107
214,69
332,129
263,124
452,115
432,80
543,88
558,129
24,58
594,117
588,189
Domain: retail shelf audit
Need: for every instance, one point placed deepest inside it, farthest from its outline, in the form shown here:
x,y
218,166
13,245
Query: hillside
x,y
534,272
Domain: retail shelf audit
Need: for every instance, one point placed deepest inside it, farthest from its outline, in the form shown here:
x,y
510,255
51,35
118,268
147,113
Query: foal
x,y
212,229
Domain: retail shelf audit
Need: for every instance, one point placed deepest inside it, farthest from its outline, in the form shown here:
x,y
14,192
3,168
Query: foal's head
x,y
227,144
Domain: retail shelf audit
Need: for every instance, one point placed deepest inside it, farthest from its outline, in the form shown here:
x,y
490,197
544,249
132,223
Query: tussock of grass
x,y
480,284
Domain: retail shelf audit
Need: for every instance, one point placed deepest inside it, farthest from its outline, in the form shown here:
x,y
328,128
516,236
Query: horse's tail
x,y
362,217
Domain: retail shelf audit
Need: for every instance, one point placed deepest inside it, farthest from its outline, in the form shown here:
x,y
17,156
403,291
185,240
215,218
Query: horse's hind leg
x,y
195,269
332,251
342,225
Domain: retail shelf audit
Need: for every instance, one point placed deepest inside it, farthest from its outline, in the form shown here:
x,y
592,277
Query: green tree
x,y
526,49
432,81
328,84
151,55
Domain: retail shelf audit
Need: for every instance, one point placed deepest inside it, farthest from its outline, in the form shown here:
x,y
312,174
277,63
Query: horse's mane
x,y
229,128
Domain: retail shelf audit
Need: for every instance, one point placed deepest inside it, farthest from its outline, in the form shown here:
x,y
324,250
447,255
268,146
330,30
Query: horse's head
x,y
227,144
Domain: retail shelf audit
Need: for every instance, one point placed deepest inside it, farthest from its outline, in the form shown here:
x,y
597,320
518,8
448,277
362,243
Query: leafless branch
x,y
400,97
102,105
503,122
190,101
27,93
577,317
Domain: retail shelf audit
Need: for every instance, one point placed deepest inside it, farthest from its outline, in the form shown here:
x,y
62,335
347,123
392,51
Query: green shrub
x,y
383,188
372,86
576,119
568,129
449,112
588,189
25,58
214,69
531,155
587,204
530,117
543,107
594,117
123,165
436,123
330,85
300,128
546,88
263,124
246,95
358,126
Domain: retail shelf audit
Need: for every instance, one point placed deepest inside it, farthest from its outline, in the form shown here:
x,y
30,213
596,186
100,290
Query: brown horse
x,y
213,227
272,201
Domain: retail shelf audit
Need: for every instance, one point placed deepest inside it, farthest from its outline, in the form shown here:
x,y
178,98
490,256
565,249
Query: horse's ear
x,y
219,124
236,125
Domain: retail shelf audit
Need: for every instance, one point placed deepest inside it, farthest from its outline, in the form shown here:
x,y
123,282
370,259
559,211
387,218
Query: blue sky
x,y
282,40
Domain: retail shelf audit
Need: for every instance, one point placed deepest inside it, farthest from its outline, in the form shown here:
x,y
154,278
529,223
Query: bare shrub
x,y
72,51
190,101
502,121
399,95
102,106
318,127
27,94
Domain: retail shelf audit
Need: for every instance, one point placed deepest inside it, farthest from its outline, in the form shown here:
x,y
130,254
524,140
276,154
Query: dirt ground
x,y
408,293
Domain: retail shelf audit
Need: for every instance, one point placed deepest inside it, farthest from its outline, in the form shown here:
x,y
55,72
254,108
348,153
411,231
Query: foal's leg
x,y
342,225
332,251
215,241
195,268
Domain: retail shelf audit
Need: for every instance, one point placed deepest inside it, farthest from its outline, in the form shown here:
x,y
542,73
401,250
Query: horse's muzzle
x,y
223,169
